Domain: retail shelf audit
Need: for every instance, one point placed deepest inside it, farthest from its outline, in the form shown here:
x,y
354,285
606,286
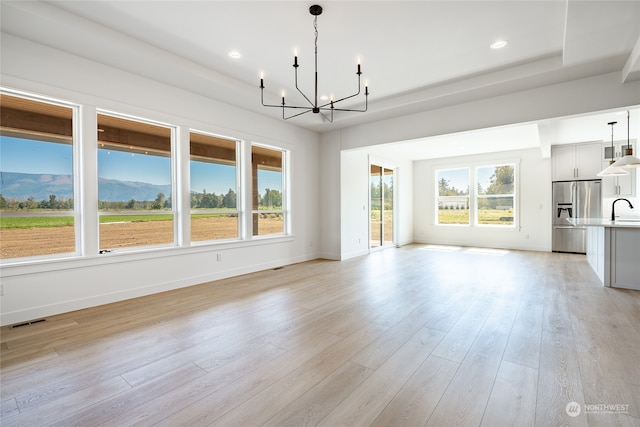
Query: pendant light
x,y
628,161
313,104
612,170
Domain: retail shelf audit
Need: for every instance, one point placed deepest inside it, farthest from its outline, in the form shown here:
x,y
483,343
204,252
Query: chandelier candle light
x,y
313,106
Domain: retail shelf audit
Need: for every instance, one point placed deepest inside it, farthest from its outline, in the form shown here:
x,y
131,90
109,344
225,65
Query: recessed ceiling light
x,y
499,44
235,54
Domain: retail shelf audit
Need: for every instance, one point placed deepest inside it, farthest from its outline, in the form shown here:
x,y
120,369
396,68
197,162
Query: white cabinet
x,y
624,260
595,250
576,161
614,254
617,149
619,186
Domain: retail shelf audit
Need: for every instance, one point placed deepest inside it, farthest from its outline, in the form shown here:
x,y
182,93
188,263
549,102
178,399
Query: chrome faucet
x,y
613,208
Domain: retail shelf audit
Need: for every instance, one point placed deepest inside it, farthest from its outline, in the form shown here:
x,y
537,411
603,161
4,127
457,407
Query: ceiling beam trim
x,y
631,70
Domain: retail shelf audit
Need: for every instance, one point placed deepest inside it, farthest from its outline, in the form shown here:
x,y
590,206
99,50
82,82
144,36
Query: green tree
x,y
445,189
31,203
229,199
271,198
502,180
158,203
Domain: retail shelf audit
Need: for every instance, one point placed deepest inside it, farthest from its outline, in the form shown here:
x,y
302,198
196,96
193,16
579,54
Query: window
x,y
37,178
490,187
269,197
453,196
213,170
495,198
134,183
381,206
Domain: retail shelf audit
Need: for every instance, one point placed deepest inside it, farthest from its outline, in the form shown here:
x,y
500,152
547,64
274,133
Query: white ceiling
x,y
415,54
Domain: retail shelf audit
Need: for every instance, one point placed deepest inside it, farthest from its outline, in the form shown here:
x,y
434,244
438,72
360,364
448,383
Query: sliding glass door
x,y
381,206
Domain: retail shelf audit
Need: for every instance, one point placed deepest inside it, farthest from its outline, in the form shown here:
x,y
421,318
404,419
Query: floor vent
x,y
33,322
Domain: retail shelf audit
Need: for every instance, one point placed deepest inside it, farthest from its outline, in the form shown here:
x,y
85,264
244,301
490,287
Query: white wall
x,y
354,201
533,201
586,95
41,289
329,191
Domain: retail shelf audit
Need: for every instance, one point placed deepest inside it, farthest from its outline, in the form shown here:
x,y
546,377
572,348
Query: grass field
x,y
485,216
62,221
35,221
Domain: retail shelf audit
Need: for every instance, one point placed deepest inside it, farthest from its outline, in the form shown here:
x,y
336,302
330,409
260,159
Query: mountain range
x,y
21,186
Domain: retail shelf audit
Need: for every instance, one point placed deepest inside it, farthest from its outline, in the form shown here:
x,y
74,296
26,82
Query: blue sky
x,y
459,178
484,173
27,156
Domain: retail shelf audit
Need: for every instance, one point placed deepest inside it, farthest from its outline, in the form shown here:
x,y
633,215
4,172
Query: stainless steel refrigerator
x,y
578,200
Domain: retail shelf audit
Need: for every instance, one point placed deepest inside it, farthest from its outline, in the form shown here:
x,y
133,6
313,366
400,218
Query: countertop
x,y
606,222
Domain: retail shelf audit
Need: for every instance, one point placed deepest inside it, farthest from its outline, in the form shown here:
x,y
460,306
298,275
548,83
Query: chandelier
x,y
314,106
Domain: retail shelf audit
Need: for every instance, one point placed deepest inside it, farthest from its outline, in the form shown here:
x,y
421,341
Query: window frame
x,y
437,195
479,196
87,212
239,211
175,191
473,195
76,170
285,211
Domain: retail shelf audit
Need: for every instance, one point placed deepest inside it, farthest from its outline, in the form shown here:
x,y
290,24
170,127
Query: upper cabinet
x,y
576,161
617,149
618,186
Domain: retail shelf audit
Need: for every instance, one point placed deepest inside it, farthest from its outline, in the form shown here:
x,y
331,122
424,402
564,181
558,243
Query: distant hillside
x,y
112,190
21,186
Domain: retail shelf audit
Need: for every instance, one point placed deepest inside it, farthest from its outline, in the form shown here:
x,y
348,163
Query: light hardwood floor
x,y
415,336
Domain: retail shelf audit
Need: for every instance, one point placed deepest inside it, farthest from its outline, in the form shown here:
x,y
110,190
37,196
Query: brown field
x,y
22,242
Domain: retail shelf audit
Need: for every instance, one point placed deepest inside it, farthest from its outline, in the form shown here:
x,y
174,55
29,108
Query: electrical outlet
x,y
1,289
219,257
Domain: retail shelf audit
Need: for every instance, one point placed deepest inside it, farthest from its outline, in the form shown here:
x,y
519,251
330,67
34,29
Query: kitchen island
x,y
613,250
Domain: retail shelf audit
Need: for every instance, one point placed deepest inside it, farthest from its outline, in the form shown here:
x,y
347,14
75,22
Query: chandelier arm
x,y
346,109
301,92
295,115
366,106
351,96
347,97
262,99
